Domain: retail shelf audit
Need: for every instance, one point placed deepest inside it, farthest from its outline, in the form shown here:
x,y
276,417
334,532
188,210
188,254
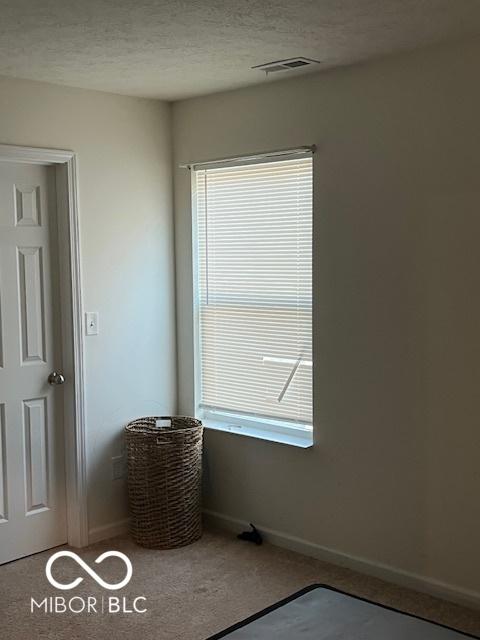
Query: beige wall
x,y
124,162
395,473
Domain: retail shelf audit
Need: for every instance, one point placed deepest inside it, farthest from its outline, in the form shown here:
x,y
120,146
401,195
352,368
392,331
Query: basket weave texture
x,y
164,481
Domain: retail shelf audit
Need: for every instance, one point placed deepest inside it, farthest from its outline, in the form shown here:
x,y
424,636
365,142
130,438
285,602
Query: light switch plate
x,y
91,323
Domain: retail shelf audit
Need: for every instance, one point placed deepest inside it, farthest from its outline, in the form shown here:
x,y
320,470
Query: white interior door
x,y
32,461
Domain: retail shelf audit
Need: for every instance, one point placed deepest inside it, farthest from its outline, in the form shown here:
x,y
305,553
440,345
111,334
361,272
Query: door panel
x,y
27,206
35,425
32,478
31,278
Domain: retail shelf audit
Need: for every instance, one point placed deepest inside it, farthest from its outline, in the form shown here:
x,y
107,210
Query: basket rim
x,y
173,417
148,424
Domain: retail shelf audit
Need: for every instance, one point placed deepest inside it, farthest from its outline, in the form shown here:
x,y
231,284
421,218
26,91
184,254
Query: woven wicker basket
x,y
164,481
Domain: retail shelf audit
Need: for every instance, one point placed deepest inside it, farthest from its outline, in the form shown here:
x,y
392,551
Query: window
x,y
254,297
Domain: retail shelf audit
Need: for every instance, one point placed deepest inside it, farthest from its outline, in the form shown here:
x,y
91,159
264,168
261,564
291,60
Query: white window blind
x,y
254,233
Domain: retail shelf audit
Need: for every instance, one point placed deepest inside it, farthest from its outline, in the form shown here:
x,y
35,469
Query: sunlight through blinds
x,y
254,231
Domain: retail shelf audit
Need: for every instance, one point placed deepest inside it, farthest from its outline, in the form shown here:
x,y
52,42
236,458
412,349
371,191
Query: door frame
x,y
65,163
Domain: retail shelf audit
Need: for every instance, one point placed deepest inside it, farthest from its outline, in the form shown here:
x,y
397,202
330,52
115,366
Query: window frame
x,y
273,430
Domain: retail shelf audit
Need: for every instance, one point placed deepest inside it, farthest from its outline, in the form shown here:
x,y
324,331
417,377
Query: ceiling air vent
x,y
285,65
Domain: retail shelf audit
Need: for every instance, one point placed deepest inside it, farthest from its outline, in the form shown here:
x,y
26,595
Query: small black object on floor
x,y
251,536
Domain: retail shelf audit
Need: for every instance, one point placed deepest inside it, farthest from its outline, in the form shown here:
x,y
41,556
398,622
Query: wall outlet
x,y
119,467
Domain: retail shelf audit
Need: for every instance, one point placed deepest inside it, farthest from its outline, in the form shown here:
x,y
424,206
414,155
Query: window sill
x,y
301,441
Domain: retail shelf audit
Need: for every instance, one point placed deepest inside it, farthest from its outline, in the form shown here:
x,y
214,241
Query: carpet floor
x,y
191,593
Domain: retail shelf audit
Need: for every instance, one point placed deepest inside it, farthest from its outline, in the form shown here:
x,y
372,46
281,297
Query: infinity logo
x,y
93,574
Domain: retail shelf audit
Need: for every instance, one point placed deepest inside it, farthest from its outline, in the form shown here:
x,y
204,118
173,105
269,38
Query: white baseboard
x,y
388,573
111,530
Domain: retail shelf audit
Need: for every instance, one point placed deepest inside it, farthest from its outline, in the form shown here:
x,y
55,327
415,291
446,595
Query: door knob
x,y
56,378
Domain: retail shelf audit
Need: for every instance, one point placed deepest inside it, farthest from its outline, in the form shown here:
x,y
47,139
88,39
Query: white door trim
x,y
72,326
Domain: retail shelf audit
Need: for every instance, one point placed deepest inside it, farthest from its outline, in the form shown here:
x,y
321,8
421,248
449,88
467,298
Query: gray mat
x,y
320,612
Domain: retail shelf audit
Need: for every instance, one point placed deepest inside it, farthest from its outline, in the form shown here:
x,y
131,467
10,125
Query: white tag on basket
x,y
164,422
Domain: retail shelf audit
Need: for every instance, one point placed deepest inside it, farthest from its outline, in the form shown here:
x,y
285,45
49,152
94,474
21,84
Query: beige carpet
x,y
191,592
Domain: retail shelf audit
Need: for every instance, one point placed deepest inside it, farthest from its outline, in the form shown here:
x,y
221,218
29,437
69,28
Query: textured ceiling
x,y
171,50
